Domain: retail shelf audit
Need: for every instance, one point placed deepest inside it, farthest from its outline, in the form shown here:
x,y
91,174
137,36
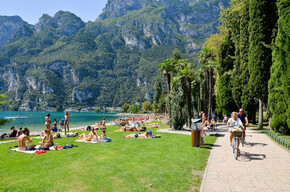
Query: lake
x,y
35,120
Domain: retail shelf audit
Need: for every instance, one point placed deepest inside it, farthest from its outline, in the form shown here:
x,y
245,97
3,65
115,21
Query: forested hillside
x,y
62,61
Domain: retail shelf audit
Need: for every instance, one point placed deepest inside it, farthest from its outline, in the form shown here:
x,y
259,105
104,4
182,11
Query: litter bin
x,y
195,133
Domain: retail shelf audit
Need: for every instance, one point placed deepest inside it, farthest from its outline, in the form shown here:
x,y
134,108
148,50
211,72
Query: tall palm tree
x,y
185,70
207,61
166,67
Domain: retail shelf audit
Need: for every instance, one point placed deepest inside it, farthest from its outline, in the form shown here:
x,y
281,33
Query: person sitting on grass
x,y
20,132
49,138
13,132
22,141
93,136
145,135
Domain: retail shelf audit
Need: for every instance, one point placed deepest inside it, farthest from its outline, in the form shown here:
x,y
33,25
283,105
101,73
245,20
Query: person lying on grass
x,y
145,135
128,128
22,141
49,138
154,125
93,136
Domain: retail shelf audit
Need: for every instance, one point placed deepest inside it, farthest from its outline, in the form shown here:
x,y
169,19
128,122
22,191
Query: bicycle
x,y
237,133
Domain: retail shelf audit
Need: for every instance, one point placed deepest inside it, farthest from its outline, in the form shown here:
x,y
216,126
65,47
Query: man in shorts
x,y
243,117
22,141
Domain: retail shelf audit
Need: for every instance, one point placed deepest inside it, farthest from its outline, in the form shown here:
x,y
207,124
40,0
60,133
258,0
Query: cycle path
x,y
263,166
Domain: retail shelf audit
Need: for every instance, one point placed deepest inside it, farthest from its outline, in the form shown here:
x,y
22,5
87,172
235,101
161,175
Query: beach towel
x,y
88,141
17,149
3,142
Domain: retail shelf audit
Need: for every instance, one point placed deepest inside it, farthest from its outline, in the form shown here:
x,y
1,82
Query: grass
x,y
169,163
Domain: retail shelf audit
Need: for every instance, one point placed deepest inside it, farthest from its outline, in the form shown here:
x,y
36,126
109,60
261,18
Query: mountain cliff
x,y
8,25
62,61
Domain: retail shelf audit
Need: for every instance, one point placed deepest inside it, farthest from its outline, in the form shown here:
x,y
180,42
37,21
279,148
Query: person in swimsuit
x,y
93,136
104,128
49,138
66,122
145,135
47,121
22,141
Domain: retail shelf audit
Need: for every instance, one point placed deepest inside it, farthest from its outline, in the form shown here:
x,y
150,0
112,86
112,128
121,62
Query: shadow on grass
x,y
209,146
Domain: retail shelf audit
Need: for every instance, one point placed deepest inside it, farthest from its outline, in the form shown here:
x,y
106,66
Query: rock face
x,y
65,23
62,61
8,25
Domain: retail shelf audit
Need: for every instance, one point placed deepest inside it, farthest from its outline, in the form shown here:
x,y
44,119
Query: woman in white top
x,y
234,121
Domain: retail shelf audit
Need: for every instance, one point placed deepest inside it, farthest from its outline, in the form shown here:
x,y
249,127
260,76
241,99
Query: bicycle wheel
x,y
233,145
242,140
236,149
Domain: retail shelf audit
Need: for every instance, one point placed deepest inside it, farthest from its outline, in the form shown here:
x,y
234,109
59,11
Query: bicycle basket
x,y
237,132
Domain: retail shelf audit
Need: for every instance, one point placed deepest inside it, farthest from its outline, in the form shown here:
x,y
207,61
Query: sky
x,y
31,10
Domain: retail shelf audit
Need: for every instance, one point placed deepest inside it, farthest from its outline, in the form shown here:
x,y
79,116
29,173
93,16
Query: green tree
x,y
157,91
134,108
261,30
279,82
178,103
146,106
166,68
185,71
208,64
125,107
98,109
3,102
225,102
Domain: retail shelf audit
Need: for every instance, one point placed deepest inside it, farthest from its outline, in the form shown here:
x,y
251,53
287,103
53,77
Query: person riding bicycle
x,y
234,121
243,117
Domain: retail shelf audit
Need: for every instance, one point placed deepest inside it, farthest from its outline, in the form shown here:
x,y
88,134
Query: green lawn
x,y
169,163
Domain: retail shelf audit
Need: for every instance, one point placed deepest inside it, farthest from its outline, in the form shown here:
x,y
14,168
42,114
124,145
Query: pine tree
x,y
178,103
157,91
247,99
225,102
166,68
260,60
279,81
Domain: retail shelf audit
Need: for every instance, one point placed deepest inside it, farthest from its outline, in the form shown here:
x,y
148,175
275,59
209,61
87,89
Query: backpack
x,y
107,139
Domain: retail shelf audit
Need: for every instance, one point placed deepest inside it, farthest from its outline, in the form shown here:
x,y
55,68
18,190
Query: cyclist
x,y
243,117
234,121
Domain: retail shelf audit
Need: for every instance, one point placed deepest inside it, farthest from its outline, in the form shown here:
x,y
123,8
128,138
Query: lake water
x,y
36,120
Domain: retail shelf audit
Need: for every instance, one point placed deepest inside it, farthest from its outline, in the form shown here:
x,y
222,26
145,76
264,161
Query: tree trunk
x,y
254,117
169,98
189,103
200,94
260,126
209,93
205,91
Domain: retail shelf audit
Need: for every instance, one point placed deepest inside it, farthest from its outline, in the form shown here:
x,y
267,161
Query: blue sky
x,y
32,10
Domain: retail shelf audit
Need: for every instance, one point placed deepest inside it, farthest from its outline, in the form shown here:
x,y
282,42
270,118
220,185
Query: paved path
x,y
263,166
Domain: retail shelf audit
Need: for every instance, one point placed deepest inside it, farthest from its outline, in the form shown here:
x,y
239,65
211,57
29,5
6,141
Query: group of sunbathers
x,y
132,128
148,134
13,133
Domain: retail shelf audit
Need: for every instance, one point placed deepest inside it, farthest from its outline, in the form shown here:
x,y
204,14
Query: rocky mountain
x,y
8,25
62,61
